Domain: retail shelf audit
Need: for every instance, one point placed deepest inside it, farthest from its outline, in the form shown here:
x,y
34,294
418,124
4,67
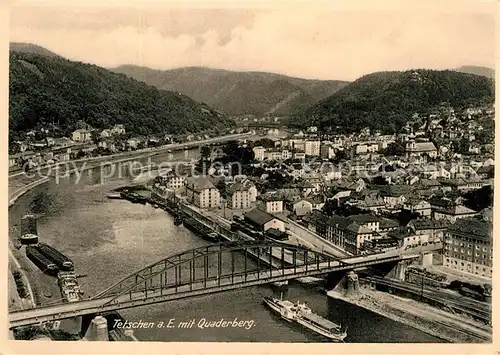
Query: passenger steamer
x,y
303,315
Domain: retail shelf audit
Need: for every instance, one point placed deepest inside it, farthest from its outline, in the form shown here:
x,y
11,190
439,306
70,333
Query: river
x,y
108,239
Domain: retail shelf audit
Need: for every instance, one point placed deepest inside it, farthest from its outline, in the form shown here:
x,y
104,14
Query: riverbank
x,y
448,327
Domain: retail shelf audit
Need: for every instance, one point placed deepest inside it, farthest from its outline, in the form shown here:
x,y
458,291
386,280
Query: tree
x,y
95,136
264,142
479,199
379,180
396,149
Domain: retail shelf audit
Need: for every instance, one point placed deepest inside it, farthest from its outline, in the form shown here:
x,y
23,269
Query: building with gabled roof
x,y
263,221
453,212
434,228
239,196
201,192
347,234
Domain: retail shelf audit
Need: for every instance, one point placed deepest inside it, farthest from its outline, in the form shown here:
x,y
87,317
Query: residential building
x,y
419,148
118,129
316,222
435,229
312,148
302,207
173,181
259,153
82,135
366,220
107,144
347,234
133,142
271,203
106,133
239,196
422,207
202,192
299,155
407,237
468,247
327,151
453,212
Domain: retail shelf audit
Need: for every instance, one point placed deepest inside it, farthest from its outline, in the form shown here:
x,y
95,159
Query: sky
x,y
335,40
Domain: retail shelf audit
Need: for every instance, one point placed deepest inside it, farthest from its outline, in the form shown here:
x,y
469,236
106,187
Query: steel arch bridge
x,y
217,265
205,270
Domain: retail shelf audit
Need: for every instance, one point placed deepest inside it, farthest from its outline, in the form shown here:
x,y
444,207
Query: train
x,y
29,230
62,261
41,261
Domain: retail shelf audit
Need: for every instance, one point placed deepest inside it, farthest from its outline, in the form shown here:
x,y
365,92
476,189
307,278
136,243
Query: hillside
x,y
237,93
471,69
30,48
386,100
52,89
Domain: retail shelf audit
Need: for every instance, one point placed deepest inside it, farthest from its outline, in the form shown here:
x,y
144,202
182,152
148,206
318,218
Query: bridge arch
x,y
215,265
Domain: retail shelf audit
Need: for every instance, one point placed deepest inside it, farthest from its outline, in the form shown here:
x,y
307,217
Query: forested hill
x,y
386,100
46,89
31,48
238,93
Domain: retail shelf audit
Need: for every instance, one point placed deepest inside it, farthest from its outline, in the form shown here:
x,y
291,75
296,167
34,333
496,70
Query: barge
x,y
62,261
201,229
41,261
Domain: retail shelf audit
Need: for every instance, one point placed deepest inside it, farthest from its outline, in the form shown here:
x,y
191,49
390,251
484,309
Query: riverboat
x,y
300,313
29,232
70,290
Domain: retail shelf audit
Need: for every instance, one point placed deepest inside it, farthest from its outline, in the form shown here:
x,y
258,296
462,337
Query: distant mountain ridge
x,y
387,100
477,70
238,93
48,89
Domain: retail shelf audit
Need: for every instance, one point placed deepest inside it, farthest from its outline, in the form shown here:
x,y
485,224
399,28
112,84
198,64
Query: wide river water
x,y
108,239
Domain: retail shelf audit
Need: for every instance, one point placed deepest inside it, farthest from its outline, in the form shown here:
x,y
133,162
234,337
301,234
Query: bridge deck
x,y
200,287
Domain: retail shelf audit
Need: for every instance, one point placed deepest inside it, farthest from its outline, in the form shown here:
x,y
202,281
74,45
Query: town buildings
x,y
239,196
468,247
82,135
201,192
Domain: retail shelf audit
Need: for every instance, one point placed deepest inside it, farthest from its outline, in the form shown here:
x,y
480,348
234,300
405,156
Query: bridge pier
x,y
348,283
98,330
398,271
426,259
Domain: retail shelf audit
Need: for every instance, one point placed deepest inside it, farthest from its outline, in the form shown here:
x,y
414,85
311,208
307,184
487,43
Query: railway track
x,y
463,331
452,304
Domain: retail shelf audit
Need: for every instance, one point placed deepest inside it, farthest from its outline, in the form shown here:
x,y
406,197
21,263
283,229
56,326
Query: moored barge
x,y
41,261
62,261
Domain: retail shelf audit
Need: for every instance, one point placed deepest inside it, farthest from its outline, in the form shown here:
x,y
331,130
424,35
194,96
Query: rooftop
x,y
258,216
199,184
422,224
472,228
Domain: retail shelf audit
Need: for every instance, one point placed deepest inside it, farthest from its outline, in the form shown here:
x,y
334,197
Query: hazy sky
x,y
312,41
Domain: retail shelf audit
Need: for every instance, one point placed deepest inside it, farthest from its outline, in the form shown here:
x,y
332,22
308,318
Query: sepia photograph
x,y
316,173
